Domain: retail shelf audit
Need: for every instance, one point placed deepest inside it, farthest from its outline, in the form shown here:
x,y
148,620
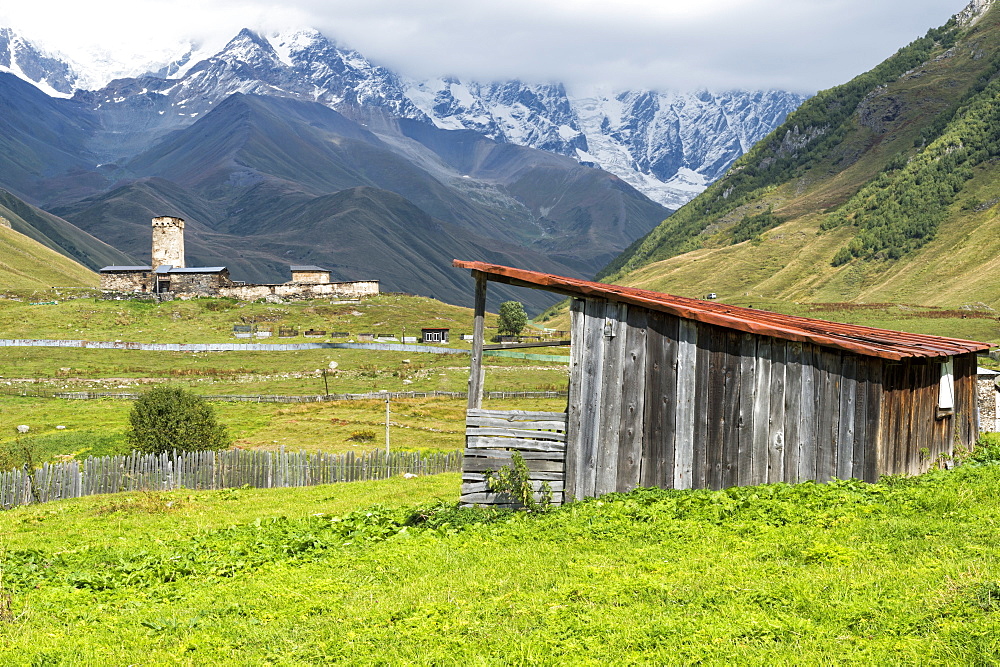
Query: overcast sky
x,y
799,45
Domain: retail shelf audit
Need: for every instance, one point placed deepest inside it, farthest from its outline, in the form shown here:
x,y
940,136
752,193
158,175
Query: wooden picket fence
x,y
211,470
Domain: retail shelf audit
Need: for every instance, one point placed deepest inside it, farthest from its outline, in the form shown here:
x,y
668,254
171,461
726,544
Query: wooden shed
x,y
682,393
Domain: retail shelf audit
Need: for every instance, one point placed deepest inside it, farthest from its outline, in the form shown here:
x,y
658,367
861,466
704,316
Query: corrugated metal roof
x,y
867,341
127,268
198,269
308,267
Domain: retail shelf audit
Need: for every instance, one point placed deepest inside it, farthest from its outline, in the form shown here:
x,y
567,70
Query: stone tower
x,y
168,242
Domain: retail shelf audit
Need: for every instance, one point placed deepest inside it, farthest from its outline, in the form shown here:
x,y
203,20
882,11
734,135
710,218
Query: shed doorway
x,y
492,436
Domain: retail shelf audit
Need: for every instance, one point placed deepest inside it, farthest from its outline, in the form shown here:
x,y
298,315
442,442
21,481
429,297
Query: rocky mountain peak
x,y
973,12
22,58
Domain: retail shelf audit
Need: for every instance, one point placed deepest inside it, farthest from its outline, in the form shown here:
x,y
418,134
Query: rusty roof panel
x,y
868,341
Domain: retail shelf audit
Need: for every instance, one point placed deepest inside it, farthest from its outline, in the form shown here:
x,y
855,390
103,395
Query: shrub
x,y
167,418
515,481
362,436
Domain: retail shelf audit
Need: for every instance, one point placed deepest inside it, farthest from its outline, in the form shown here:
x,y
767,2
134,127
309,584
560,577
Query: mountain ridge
x,y
884,188
668,145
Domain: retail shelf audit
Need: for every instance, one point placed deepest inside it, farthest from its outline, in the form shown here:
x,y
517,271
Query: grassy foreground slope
x,y
901,572
884,189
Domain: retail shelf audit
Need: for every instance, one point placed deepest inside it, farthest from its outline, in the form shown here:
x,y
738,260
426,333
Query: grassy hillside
x,y
57,234
901,572
881,190
26,264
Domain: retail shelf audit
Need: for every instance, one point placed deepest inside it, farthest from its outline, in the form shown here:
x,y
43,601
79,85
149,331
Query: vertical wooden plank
x,y
922,410
590,397
614,339
633,402
761,410
731,411
858,465
574,408
776,416
901,419
687,350
889,418
966,400
807,416
717,383
699,479
828,416
660,408
793,412
848,398
476,377
748,373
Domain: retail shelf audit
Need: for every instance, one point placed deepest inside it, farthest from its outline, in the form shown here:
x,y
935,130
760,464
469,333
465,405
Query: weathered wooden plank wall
x,y
677,404
913,433
492,437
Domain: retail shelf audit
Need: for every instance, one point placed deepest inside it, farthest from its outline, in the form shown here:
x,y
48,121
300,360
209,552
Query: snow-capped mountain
x,y
668,145
60,75
50,73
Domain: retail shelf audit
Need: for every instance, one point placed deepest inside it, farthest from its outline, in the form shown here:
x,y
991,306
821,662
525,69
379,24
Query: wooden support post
x,y
479,331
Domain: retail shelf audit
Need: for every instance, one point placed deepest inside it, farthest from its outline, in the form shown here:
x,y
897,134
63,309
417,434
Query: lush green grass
x,y
901,572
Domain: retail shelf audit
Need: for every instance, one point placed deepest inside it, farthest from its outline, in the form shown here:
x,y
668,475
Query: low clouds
x,y
799,45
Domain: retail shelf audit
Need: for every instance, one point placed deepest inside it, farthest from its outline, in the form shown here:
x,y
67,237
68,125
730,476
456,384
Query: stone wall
x,y
348,290
312,277
131,281
199,284
188,285
988,400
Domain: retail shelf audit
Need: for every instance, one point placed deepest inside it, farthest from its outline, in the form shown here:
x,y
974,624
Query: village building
x,y
683,393
168,277
434,335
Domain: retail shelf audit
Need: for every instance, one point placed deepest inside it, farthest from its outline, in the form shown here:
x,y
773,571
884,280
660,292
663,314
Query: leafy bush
x,y
362,436
165,419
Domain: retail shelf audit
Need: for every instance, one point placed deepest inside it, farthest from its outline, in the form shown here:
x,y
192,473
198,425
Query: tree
x,y
168,418
513,319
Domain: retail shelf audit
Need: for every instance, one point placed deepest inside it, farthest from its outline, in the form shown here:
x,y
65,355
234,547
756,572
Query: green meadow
x,y
901,572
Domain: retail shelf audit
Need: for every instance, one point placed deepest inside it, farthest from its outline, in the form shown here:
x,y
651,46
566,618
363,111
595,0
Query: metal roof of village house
x,y
867,341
